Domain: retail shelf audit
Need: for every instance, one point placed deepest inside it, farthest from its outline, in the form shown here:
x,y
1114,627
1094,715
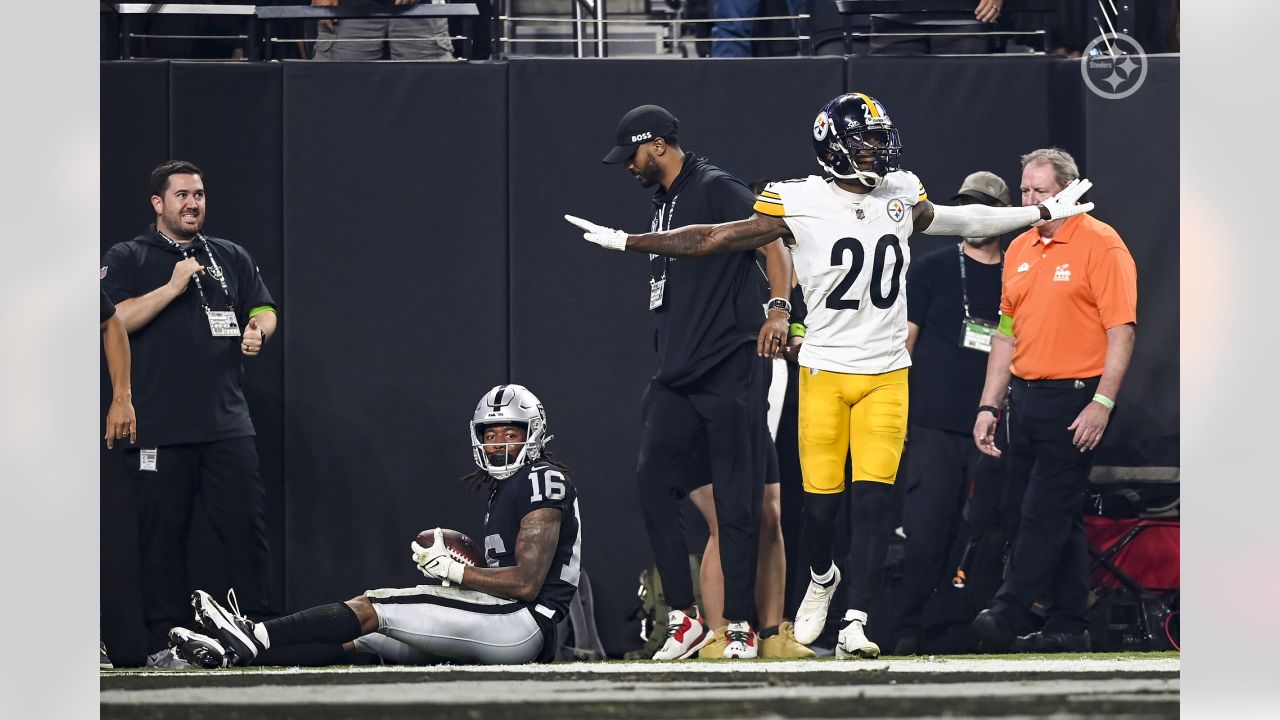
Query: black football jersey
x,y
539,485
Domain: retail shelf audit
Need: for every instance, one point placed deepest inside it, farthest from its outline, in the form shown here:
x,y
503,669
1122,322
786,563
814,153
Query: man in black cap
x,y
708,394
952,310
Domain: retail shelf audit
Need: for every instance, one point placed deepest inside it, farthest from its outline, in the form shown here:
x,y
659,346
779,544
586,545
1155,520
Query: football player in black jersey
x,y
503,613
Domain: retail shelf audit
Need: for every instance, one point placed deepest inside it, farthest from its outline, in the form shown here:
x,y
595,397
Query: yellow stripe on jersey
x,y
770,194
875,112
923,195
766,205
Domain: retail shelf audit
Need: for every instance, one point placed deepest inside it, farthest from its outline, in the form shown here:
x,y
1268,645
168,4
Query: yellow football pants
x,y
842,412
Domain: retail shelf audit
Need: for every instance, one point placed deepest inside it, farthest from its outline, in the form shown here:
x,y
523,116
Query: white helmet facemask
x,y
508,405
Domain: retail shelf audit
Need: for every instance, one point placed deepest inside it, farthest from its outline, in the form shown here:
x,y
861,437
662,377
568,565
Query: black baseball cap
x,y
640,125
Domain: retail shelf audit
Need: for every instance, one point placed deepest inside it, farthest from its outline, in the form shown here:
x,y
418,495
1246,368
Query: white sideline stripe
x,y
524,692
911,665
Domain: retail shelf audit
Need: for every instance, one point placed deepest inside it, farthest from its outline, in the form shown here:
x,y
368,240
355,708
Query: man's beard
x,y
981,242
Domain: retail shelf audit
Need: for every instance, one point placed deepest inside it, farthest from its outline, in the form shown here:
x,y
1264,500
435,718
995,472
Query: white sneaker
x,y
741,641
852,641
812,615
685,635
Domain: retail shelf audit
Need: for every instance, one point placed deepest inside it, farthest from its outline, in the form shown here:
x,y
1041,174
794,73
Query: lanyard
x,y
215,269
964,279
661,226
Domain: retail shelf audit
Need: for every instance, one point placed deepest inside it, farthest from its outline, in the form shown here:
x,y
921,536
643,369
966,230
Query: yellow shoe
x,y
715,648
783,645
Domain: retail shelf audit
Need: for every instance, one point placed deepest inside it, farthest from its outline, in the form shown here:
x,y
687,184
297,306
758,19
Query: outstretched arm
x,y
986,221
691,240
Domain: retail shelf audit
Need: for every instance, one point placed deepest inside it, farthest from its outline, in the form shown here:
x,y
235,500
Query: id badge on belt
x,y
223,323
656,288
977,334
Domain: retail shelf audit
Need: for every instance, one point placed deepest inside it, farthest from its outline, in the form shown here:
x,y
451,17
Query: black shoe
x,y
233,631
994,634
1052,642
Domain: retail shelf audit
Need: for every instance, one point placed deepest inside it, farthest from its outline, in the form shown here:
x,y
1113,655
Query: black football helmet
x,y
856,124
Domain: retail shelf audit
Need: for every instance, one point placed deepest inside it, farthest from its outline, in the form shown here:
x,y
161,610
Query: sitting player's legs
x,y
435,623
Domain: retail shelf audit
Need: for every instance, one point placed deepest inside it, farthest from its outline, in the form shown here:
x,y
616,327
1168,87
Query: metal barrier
x,y
849,8
260,19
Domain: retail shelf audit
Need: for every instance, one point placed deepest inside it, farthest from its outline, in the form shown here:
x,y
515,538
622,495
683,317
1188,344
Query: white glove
x,y
604,237
435,561
1063,205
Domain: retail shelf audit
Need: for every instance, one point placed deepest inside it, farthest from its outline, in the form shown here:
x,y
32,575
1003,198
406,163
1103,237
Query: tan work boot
x,y
715,648
784,644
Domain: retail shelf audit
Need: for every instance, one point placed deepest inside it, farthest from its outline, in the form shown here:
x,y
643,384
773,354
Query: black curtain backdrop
x,y
407,218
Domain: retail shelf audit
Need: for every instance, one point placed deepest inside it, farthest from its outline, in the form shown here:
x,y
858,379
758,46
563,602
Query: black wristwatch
x,y
782,304
989,408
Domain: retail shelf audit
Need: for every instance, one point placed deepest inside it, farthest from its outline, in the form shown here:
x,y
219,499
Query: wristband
x,y
995,411
1104,401
797,330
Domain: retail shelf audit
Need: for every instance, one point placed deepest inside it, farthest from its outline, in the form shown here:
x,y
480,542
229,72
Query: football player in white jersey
x,y
848,233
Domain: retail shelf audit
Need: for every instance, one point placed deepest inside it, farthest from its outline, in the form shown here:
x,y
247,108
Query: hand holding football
x,y
460,547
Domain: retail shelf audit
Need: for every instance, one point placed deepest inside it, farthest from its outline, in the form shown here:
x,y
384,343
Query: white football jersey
x,y
851,256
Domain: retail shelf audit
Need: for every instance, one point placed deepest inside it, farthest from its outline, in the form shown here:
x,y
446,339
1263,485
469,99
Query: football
x,y
462,548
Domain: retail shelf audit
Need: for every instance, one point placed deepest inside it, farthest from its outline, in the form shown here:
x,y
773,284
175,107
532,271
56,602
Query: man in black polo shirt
x,y
953,303
708,394
192,305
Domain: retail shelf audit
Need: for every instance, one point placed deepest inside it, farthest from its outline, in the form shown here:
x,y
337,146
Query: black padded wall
x,y
1132,156
396,259
581,332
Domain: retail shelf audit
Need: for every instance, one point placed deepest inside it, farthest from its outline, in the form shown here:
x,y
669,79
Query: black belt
x,y
1070,383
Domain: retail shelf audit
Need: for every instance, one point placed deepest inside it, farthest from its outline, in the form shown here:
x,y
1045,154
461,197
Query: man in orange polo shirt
x,y
1068,311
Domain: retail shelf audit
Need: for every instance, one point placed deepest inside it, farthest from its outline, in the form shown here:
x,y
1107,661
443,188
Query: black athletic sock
x,y
820,527
769,632
872,525
333,623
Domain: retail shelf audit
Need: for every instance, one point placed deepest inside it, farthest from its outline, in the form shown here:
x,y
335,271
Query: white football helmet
x,y
509,405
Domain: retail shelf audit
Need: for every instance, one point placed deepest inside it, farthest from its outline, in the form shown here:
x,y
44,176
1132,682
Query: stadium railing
x,y
260,21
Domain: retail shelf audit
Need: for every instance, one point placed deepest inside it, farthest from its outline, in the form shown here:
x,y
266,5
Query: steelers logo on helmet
x,y
508,405
820,126
860,142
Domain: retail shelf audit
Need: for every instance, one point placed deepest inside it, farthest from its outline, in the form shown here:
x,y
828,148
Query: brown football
x,y
462,548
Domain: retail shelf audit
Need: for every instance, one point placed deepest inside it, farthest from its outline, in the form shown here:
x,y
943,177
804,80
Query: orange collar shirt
x,y
1064,295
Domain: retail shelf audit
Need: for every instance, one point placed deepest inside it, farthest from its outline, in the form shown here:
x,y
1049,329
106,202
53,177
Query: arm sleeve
x,y
119,274
554,489
980,220
1114,281
731,199
769,202
252,290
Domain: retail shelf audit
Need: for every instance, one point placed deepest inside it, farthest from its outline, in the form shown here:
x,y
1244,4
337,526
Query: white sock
x,y
260,632
826,577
